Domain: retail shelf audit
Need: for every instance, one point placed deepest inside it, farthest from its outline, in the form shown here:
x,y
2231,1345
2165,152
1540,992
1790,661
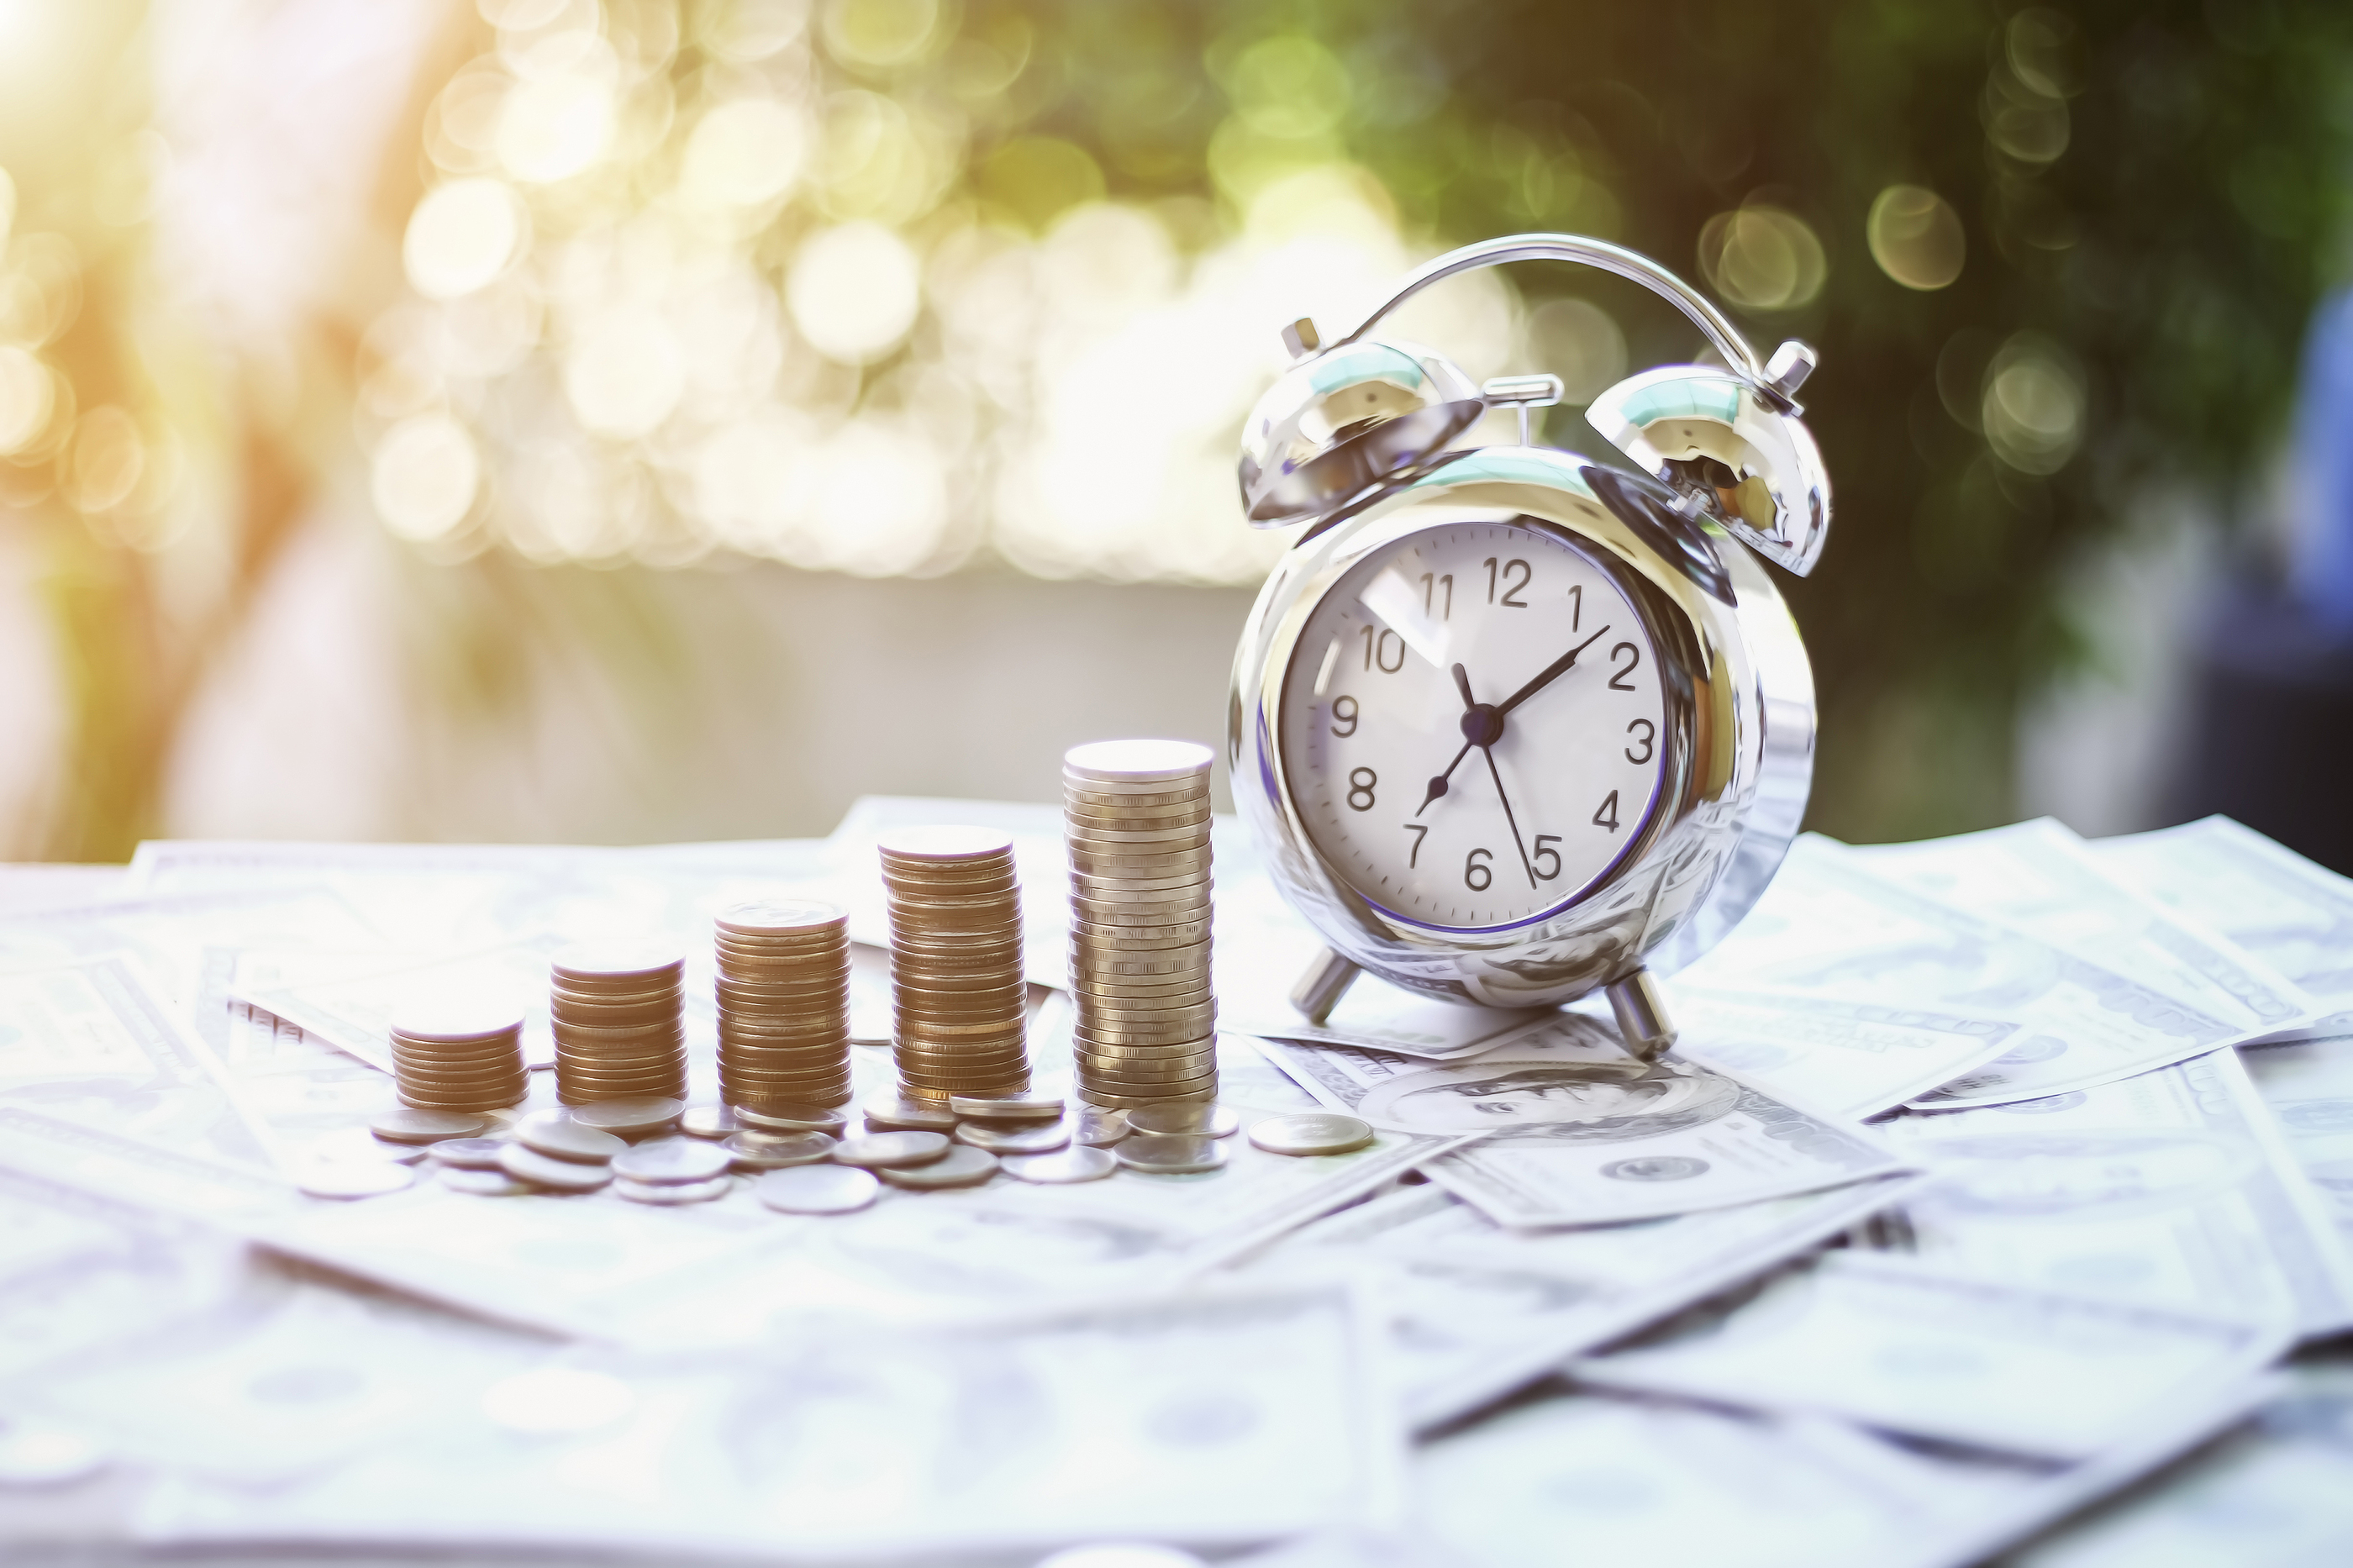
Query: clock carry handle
x,y
1776,380
1643,1022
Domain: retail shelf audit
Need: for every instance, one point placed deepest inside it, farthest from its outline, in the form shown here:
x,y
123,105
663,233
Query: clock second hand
x,y
1526,863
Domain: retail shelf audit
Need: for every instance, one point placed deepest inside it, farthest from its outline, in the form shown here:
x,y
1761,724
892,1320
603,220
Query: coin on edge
x,y
1079,1163
961,1167
817,1189
1170,1153
1311,1133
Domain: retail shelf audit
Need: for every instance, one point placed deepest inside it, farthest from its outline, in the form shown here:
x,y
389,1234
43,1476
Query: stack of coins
x,y
1136,813
459,1056
783,1004
614,1010
958,1000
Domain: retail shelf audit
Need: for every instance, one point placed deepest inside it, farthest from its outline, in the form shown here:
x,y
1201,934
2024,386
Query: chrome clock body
x,y
1734,749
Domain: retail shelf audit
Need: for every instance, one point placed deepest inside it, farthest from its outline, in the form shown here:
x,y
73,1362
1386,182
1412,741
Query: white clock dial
x,y
1551,767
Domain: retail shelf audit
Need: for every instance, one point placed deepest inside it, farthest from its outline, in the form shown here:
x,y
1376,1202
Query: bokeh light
x,y
28,396
1915,236
424,476
1763,258
461,236
2033,407
854,292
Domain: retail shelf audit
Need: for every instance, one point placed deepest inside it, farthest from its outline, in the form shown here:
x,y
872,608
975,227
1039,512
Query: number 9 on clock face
x,y
1472,726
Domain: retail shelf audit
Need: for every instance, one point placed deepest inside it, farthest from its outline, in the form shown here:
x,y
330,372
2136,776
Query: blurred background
x,y
632,420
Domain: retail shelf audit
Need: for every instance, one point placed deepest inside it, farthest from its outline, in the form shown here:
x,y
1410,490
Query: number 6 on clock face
x,y
1470,725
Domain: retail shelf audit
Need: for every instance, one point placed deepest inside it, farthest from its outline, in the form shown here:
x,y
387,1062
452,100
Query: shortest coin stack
x,y
459,1058
783,1004
1136,817
615,1013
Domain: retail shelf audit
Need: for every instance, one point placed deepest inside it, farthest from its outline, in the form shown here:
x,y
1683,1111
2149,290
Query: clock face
x,y
1494,806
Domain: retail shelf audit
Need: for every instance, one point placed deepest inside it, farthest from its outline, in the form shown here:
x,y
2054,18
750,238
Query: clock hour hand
x,y
1437,784
1545,675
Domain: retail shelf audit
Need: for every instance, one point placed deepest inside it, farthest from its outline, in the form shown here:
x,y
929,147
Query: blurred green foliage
x,y
2151,194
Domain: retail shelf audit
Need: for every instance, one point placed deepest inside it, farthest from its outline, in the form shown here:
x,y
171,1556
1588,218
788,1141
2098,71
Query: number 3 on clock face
x,y
1472,730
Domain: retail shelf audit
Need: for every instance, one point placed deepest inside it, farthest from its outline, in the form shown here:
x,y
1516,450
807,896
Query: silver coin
x,y
918,846
38,1456
794,917
1138,762
671,1162
961,1167
353,1178
707,1122
793,1118
1171,1154
1311,1133
675,1193
751,1150
899,1114
630,1118
1013,1137
555,1134
1079,1163
484,1184
1199,1121
1095,1128
592,963
409,1125
1028,1107
880,1151
817,1189
469,1154
528,1164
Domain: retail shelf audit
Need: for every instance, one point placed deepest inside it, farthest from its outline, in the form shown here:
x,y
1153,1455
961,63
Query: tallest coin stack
x,y
1136,813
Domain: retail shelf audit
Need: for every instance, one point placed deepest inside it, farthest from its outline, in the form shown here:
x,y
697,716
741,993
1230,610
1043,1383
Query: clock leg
x,y
1318,990
1642,1018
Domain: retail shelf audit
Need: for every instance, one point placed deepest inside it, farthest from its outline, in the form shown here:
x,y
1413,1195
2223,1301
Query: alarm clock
x,y
1510,725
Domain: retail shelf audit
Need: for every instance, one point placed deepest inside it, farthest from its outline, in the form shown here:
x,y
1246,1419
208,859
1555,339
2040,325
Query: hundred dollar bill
x,y
174,937
1905,1347
1828,927
2172,1187
1475,1311
90,1040
2295,915
1857,1058
1207,1419
2309,1087
2039,876
1654,1481
355,1011
1577,1132
2270,1495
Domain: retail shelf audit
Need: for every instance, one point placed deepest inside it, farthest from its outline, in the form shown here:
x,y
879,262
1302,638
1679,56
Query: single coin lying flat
x,y
1013,1137
1097,1128
880,1151
794,1119
556,1135
408,1124
1077,1164
1193,1120
1170,1153
893,1115
630,1118
961,1167
469,1154
750,1151
1311,1133
671,1193
528,1164
707,1122
817,1190
1028,1106
484,1184
671,1162
353,1178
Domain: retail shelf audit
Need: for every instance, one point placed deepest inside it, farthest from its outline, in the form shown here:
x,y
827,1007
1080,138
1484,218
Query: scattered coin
x,y
38,1456
411,1125
469,1154
768,1152
1013,1137
1097,1128
671,1162
707,1122
630,1118
1311,1133
789,1118
1202,1120
817,1189
528,1164
353,1178
555,1134
877,1150
675,1193
484,1184
1077,1164
1170,1153
1031,1106
961,1167
898,1114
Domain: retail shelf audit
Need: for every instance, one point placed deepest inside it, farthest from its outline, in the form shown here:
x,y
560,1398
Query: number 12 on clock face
x,y
1472,726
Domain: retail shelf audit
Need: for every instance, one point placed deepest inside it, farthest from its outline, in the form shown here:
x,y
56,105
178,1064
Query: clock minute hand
x,y
1548,674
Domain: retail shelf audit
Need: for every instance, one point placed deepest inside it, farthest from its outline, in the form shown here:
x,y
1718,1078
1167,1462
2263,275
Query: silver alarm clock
x,y
1510,725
